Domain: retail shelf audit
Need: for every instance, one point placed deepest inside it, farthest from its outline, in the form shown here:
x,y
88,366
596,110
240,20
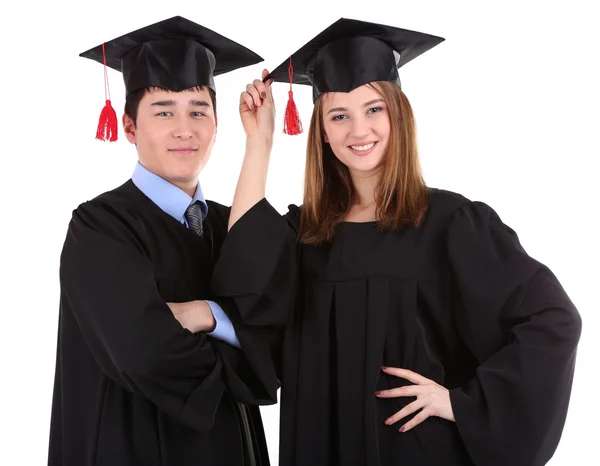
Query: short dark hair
x,y
132,102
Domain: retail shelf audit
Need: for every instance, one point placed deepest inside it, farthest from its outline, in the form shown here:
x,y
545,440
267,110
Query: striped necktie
x,y
193,215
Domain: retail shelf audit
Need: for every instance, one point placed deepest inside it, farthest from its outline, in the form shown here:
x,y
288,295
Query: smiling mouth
x,y
363,148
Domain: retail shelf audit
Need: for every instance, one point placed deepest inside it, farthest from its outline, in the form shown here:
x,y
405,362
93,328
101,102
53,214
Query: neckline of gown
x,y
370,222
159,212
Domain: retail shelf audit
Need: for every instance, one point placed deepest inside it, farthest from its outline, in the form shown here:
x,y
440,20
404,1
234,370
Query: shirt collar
x,y
165,195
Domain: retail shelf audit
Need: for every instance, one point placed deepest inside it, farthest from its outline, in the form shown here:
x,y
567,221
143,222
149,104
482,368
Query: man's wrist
x,y
203,319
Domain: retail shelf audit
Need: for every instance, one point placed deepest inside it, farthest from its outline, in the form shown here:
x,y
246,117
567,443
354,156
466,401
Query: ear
x,y
129,128
325,138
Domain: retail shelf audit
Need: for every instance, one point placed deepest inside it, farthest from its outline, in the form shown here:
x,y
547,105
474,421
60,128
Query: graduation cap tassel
x,y
107,125
291,124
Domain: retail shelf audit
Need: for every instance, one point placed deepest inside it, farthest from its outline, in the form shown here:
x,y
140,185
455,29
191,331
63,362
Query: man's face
x,y
174,134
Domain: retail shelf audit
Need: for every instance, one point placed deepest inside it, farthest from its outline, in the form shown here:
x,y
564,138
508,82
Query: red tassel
x,y
107,125
291,123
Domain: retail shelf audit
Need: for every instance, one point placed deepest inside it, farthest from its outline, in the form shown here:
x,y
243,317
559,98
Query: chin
x,y
187,169
367,164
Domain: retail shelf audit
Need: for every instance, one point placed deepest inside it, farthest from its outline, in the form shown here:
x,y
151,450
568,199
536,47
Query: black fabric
x,y
350,53
174,54
457,300
132,386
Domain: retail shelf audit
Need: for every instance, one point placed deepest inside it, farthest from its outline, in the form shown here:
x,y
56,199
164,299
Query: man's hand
x,y
196,316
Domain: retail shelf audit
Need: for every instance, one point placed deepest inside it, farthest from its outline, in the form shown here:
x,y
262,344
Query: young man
x,y
132,385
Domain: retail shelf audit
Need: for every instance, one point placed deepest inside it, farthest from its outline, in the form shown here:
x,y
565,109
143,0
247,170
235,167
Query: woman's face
x,y
357,127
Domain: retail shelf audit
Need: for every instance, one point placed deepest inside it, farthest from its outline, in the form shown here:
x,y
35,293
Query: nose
x,y
360,128
182,127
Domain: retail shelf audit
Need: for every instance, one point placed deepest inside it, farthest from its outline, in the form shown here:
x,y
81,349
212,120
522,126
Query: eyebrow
x,y
343,109
170,103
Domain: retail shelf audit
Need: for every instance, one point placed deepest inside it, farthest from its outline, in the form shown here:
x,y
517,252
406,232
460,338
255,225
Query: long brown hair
x,y
401,194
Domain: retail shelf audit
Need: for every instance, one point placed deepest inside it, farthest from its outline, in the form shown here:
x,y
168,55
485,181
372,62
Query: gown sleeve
x,y
107,282
257,268
523,330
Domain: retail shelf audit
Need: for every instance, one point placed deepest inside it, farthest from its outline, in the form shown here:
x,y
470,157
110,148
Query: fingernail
x,y
402,429
387,422
379,392
383,368
263,95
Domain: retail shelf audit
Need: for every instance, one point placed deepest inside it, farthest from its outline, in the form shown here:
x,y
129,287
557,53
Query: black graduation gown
x,y
133,387
456,300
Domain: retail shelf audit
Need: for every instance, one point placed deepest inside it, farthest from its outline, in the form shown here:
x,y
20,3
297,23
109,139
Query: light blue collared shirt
x,y
174,202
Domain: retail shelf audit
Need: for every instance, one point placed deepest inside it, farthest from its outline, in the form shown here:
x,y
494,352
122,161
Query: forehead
x,y
356,97
183,97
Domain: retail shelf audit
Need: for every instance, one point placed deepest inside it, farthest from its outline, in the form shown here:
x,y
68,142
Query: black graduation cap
x,y
350,53
174,54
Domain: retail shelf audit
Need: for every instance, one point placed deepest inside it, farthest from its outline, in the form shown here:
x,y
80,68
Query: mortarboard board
x,y
348,54
174,54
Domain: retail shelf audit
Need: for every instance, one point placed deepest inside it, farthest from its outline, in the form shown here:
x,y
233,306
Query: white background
x,y
507,111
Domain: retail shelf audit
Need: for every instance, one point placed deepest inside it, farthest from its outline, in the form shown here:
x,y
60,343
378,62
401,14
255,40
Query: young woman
x,y
416,330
